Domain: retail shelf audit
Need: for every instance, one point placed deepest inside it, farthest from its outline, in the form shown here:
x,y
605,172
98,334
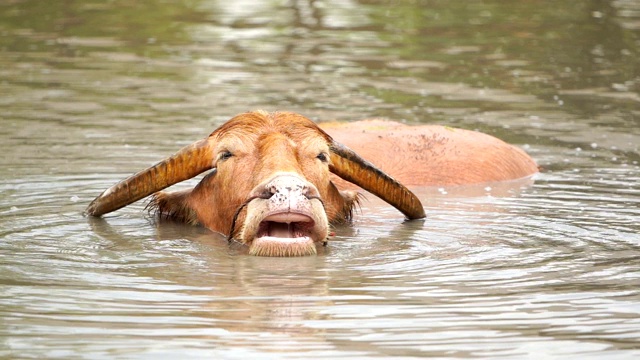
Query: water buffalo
x,y
271,185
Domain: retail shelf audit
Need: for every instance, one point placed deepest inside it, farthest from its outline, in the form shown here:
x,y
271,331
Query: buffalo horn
x,y
185,164
351,167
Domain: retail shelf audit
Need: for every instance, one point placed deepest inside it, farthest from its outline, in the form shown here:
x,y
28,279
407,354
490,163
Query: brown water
x,y
91,91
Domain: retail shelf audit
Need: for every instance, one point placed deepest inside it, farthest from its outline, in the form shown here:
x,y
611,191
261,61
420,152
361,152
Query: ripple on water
x,y
549,269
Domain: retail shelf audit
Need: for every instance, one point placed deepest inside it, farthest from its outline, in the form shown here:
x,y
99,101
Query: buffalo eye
x,y
322,157
224,155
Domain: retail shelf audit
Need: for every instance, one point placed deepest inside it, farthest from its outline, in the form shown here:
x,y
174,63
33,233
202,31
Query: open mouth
x,y
285,226
284,234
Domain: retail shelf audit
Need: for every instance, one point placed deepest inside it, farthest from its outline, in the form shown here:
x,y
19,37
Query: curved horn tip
x,y
94,208
97,207
350,166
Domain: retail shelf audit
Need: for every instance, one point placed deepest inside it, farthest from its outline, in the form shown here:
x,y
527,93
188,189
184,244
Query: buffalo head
x,y
269,186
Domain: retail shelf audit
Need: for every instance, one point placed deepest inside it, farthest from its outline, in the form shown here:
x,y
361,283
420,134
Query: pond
x,y
92,91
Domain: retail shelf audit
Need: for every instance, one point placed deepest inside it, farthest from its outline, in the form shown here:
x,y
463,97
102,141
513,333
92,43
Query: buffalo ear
x,y
174,206
348,165
185,164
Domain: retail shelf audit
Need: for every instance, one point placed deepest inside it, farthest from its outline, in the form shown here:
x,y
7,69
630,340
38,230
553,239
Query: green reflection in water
x,y
528,47
135,23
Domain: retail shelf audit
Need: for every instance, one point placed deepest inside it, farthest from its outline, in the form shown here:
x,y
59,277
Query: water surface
x,y
93,91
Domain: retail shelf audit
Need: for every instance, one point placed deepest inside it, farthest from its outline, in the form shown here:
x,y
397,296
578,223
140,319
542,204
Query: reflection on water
x,y
93,91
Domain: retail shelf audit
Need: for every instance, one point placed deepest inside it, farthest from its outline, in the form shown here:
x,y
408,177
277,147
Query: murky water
x,y
91,91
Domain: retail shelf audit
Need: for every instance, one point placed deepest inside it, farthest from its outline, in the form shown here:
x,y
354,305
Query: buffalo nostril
x,y
267,192
306,191
309,191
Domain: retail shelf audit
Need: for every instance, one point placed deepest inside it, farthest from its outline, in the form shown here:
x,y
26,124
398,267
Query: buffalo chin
x,y
282,247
